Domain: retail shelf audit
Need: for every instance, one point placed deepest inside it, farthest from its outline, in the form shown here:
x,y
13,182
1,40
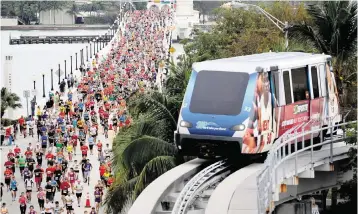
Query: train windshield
x,y
218,92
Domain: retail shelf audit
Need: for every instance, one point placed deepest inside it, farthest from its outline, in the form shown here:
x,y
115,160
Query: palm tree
x,y
73,11
9,100
334,32
140,156
55,6
179,76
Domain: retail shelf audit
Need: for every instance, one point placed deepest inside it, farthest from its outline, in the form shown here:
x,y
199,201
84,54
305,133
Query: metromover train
x,y
241,105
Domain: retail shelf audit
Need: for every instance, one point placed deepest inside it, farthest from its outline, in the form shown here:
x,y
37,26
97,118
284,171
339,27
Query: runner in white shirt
x,y
69,201
79,190
48,207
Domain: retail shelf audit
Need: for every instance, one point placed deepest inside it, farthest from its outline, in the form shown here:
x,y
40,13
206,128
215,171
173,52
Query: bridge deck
x,y
57,39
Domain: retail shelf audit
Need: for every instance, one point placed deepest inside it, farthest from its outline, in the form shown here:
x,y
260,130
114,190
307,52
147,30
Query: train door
x,y
296,98
316,105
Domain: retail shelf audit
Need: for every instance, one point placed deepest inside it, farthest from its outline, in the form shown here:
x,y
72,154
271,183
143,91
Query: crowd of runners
x,y
70,132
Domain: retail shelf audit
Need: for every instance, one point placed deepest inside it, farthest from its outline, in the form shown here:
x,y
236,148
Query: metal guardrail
x,y
195,183
268,180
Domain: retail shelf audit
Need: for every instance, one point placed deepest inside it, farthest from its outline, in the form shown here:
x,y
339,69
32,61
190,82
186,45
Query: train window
x,y
218,92
276,82
315,82
287,86
323,82
299,84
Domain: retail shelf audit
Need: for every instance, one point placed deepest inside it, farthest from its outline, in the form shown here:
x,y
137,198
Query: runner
x,y
97,198
13,187
38,176
41,198
87,167
79,190
29,183
22,202
69,202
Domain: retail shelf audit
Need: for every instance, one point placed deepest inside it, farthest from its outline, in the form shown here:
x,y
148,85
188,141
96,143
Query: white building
x,y
58,17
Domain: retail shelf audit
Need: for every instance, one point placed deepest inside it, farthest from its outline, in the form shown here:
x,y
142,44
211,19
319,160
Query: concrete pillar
x,y
8,81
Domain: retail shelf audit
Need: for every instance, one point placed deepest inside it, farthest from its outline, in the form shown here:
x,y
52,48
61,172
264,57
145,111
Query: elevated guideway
x,y
284,176
166,188
291,170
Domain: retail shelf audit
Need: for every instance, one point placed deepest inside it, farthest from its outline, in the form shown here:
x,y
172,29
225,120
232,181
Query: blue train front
x,y
218,114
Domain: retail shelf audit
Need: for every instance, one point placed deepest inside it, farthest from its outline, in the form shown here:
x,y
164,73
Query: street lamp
x,y
76,62
94,47
71,64
34,80
65,70
91,50
97,44
87,53
43,85
51,79
59,73
283,26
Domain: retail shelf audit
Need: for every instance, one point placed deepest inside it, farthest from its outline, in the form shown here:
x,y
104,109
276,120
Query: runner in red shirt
x,y
7,175
64,186
49,173
110,180
38,176
17,151
84,150
49,157
28,152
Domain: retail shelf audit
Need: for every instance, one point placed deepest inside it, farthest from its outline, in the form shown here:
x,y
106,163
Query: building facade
x,y
56,17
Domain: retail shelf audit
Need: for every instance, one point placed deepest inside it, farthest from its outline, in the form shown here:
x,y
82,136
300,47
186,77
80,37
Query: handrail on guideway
x,y
267,180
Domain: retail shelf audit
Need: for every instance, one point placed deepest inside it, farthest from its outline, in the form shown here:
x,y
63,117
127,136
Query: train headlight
x,y
240,127
185,124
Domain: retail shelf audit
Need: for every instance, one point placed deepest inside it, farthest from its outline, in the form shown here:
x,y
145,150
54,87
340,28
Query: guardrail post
x,y
311,148
296,157
331,144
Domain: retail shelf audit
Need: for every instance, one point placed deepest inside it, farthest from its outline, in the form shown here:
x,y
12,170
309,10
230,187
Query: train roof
x,y
249,63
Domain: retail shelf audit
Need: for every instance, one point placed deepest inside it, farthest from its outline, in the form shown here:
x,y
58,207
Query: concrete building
x,y
8,21
58,17
185,16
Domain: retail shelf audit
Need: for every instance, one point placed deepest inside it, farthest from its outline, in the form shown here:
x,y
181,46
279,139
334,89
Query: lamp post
x,y
76,62
59,73
71,64
94,47
65,70
87,53
283,26
91,50
51,79
97,44
100,44
34,80
43,85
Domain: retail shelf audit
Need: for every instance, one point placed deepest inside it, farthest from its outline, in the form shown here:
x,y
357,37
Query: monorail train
x,y
242,104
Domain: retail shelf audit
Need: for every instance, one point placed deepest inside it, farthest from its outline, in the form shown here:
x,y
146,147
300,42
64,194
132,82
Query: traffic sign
x,y
34,92
26,93
172,50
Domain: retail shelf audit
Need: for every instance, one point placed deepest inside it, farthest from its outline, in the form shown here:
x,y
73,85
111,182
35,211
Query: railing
x,y
268,179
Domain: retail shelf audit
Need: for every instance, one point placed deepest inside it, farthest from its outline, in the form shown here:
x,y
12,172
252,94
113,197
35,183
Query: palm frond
x,y
152,170
143,149
118,195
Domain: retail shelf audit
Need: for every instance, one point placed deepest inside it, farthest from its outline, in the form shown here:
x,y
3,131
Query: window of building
x,y
299,84
315,82
287,87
